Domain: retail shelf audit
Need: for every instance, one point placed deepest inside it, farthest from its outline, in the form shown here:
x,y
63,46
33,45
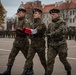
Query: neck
x,y
21,18
37,20
56,19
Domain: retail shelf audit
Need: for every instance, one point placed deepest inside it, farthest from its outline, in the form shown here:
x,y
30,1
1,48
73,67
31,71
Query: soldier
x,y
21,42
38,29
57,42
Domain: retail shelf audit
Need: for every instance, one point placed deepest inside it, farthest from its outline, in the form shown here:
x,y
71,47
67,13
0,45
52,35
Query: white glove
x,y
33,31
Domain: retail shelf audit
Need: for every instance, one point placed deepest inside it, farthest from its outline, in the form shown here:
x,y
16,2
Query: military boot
x,y
24,72
47,72
30,71
8,71
69,73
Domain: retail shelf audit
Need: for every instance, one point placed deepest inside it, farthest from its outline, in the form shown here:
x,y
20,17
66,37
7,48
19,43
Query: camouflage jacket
x,y
21,41
38,38
57,30
22,23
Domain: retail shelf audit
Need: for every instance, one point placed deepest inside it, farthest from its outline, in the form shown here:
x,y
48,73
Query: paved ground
x,y
6,45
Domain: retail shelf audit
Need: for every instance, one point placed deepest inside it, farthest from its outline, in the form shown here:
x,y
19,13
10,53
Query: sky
x,y
11,6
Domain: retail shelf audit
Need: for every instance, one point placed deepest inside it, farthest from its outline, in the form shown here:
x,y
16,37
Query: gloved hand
x,y
24,30
20,32
27,31
33,31
30,31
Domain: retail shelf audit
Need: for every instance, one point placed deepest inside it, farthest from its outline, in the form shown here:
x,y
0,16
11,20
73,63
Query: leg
x,y
28,68
11,59
41,54
51,54
63,57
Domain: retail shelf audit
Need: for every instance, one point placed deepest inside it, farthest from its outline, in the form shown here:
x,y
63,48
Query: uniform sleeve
x,y
41,28
48,29
62,30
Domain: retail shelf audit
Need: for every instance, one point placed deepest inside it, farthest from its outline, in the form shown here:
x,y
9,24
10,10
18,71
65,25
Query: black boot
x,y
24,72
30,71
69,73
47,72
8,71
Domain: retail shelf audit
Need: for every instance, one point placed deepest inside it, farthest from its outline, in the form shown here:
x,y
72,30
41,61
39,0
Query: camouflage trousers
x,y
52,53
20,44
41,53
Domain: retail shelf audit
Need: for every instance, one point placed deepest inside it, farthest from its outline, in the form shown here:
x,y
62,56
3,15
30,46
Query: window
x,y
73,12
73,20
70,20
70,12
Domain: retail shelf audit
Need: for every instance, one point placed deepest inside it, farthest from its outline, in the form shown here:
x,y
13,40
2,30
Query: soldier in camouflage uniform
x,y
21,42
57,42
38,29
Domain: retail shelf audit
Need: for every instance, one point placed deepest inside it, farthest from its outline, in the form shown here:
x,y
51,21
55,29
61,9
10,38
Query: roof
x,y
47,8
62,6
29,6
67,5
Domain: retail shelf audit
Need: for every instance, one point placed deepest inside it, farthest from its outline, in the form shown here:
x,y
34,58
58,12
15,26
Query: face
x,y
55,15
20,14
37,15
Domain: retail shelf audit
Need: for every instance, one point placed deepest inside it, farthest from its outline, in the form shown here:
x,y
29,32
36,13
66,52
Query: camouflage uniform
x,y
57,44
37,44
21,43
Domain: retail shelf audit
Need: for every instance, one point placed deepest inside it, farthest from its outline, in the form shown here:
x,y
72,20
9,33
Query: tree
x,y
2,16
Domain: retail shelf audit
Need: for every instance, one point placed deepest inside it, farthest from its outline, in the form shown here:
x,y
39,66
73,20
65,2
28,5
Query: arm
x,y
62,30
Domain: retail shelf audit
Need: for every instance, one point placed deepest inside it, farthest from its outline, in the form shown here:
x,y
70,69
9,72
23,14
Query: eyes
x,y
53,14
36,13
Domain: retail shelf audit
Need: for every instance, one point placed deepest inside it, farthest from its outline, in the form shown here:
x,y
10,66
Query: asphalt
x,y
5,48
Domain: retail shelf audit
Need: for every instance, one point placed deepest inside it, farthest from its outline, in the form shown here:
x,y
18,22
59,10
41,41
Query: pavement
x,y
5,48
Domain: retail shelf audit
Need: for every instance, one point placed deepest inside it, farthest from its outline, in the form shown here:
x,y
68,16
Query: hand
x,y
33,31
27,31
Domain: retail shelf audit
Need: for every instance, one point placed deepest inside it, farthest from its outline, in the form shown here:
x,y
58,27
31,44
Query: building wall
x,y
70,17
5,22
46,18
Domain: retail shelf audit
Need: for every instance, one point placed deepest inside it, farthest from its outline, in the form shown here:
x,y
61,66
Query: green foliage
x,y
2,17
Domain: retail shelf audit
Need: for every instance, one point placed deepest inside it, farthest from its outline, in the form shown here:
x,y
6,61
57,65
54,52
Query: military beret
x,y
37,10
21,8
54,11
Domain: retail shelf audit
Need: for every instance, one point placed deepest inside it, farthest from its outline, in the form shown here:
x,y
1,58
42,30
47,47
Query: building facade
x,y
67,9
5,19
